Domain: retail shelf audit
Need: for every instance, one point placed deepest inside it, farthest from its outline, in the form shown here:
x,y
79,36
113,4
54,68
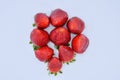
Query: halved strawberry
x,y
60,36
54,65
58,17
39,37
75,25
66,54
80,43
44,54
41,20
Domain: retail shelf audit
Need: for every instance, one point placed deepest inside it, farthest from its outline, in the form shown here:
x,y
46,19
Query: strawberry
x,y
66,54
54,65
60,36
58,17
41,20
80,43
39,37
75,25
44,53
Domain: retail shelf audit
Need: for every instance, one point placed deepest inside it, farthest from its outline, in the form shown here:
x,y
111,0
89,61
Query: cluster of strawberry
x,y
60,36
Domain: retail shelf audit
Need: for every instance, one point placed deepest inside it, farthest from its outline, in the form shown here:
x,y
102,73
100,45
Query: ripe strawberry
x,y
75,25
54,65
58,17
41,20
66,54
60,36
39,37
80,43
44,53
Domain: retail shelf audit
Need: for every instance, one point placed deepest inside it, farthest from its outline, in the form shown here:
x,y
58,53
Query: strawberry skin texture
x,y
44,53
66,54
58,17
75,25
60,36
41,20
80,43
39,37
54,65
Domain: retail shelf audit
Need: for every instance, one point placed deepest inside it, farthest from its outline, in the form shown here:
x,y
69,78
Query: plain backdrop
x,y
101,61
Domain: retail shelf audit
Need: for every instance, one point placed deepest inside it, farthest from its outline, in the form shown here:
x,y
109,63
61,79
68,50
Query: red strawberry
x,y
44,53
41,20
60,36
66,54
75,25
58,17
54,65
80,43
39,37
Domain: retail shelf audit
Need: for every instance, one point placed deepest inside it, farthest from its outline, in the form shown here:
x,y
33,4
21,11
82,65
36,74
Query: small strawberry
x,y
39,37
41,20
80,43
60,36
75,25
66,54
58,17
44,53
54,65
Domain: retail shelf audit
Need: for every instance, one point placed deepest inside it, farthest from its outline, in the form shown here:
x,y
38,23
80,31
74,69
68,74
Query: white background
x,y
101,61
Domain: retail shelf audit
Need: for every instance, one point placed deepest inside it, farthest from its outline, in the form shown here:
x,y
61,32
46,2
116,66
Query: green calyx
x,y
56,73
68,44
34,25
35,47
57,47
73,60
30,42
